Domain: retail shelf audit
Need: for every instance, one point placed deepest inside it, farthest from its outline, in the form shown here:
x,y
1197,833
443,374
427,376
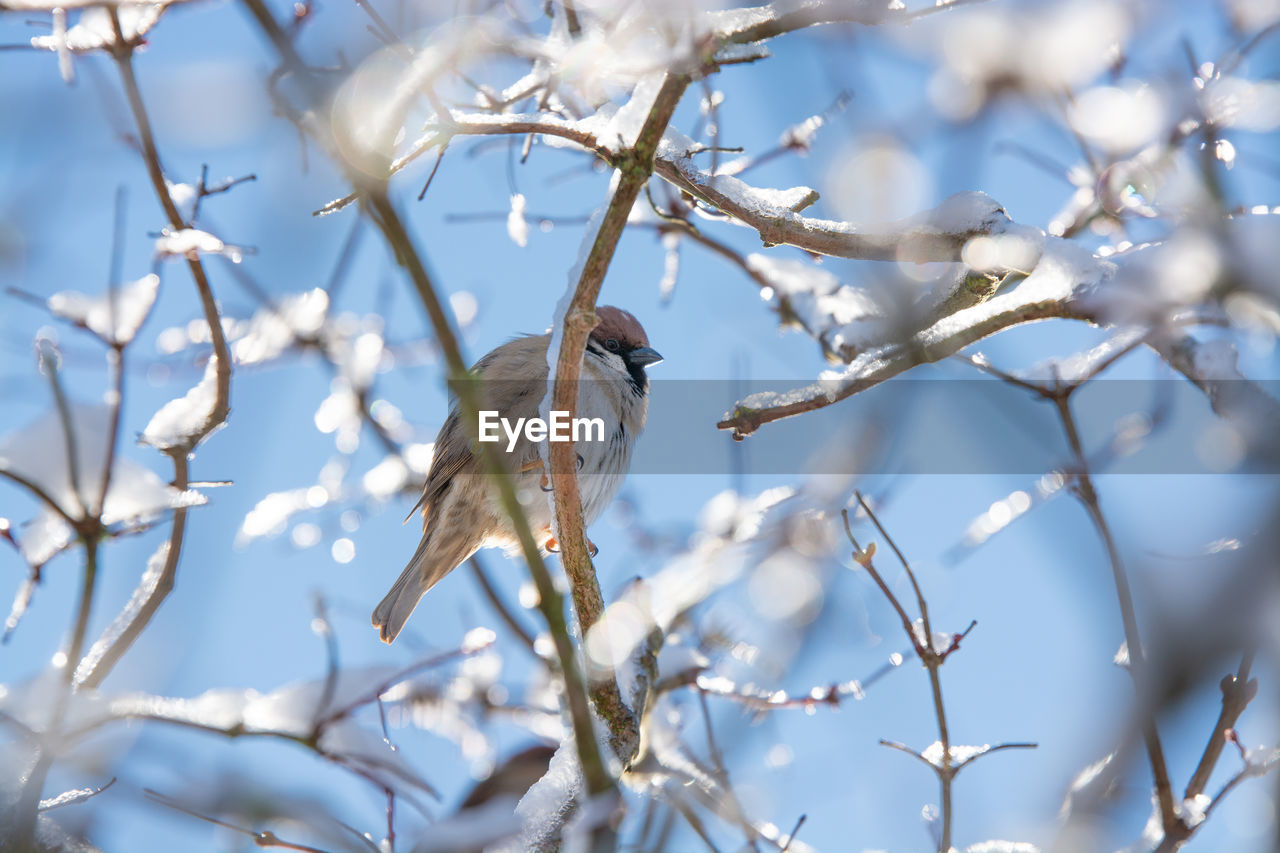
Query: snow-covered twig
x,y
218,409
1211,367
1062,276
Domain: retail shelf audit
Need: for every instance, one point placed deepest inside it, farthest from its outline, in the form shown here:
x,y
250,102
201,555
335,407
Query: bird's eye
x,y
611,345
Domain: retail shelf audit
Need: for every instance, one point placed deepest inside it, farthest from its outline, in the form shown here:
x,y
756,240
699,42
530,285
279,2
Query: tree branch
x,y
122,52
1064,273
634,169
1088,496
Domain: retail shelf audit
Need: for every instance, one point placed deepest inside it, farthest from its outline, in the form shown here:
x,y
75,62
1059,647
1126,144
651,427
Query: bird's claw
x,y
553,546
545,484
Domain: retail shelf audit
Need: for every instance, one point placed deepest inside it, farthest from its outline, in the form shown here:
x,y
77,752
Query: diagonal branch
x,y
1063,275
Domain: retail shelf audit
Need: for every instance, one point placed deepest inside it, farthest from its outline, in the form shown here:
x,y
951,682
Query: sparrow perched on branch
x,y
460,509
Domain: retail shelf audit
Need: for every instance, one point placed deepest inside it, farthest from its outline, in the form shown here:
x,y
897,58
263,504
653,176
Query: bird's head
x,y
620,342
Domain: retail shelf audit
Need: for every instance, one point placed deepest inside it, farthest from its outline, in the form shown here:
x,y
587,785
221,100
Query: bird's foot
x,y
554,547
544,483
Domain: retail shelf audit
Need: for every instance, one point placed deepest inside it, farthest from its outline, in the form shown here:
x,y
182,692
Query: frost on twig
x,y
72,797
49,836
935,235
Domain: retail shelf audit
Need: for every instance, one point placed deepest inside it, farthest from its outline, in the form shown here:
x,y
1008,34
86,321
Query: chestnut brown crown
x,y
619,325
620,333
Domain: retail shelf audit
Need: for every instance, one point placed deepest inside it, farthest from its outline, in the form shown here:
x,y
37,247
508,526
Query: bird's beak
x,y
644,356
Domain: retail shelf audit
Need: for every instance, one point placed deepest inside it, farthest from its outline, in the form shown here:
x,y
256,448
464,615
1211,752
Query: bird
x,y
459,504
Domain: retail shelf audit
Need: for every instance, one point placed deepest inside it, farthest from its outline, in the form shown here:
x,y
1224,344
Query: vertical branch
x,y
500,606
1088,497
634,167
122,52
932,659
115,365
115,352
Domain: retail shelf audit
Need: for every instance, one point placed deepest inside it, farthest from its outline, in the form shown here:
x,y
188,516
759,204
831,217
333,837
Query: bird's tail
x,y
423,572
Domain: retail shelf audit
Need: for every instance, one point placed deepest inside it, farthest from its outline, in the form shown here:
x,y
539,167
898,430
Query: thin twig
x,y
792,836
924,606
1237,691
262,838
932,658
500,606
87,587
863,558
1088,497
115,352
435,168
49,359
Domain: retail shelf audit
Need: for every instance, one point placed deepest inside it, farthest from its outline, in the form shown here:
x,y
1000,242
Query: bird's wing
x,y
513,382
451,454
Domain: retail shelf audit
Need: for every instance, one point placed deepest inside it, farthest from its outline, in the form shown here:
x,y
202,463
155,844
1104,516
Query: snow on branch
x,y
1211,367
126,7
181,422
317,714
1063,275
114,316
935,235
741,26
36,457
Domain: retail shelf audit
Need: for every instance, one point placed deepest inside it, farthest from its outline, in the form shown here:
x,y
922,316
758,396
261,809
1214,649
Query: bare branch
x,y
1238,691
262,838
